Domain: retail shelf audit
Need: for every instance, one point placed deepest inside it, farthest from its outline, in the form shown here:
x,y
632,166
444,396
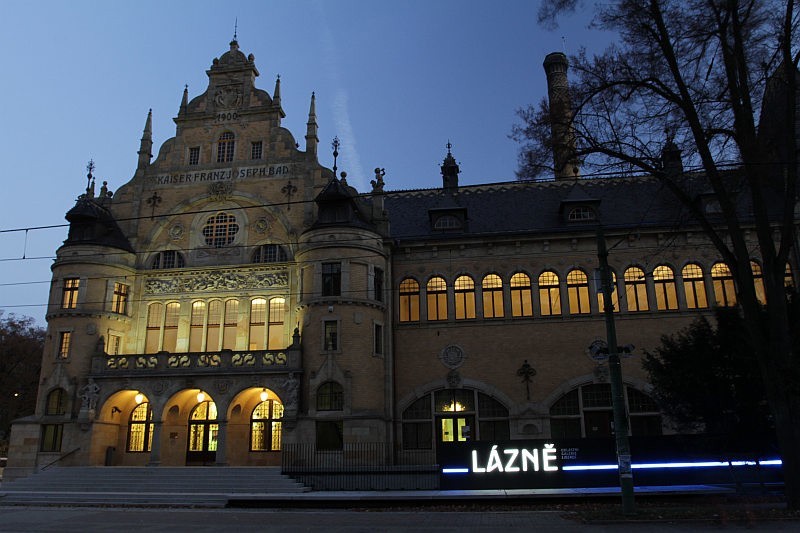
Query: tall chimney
x,y
565,162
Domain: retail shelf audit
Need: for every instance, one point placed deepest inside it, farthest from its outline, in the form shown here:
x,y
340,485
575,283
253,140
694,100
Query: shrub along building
x,y
236,297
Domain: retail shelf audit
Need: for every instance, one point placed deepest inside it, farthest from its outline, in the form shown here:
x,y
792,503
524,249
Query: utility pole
x,y
617,394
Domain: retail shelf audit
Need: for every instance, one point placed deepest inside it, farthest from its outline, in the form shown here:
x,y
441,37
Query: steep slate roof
x,y
534,207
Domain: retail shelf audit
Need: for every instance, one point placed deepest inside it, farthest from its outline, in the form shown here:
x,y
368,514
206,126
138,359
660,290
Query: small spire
x,y
235,27
312,140
89,176
146,145
450,170
335,146
276,96
184,100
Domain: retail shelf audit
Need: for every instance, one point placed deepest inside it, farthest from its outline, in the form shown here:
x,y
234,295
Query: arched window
x,y
586,411
635,289
276,336
578,291
437,299
162,327
258,323
225,147
694,286
55,402
409,300
266,426
167,259
453,415
330,397
549,293
464,289
214,324
582,213
196,324
666,293
722,279
601,306
270,253
140,433
758,282
203,428
231,323
220,230
492,287
521,295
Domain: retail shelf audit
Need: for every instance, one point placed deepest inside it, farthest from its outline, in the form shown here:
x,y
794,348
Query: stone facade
x,y
236,297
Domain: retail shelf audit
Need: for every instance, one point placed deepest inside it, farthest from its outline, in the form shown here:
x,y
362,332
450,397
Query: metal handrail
x,y
48,465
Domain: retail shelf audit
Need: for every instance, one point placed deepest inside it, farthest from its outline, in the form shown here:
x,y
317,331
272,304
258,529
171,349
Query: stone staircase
x,y
188,486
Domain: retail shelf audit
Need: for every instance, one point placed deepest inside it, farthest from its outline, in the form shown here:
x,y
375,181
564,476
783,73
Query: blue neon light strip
x,y
648,466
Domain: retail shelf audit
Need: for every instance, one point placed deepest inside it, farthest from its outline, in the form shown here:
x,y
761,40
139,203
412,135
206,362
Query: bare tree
x,y
715,81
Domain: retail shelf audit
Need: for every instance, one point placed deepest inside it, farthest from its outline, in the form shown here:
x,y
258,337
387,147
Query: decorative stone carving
x,y
228,97
222,386
452,356
220,190
217,280
261,225
454,379
290,388
176,232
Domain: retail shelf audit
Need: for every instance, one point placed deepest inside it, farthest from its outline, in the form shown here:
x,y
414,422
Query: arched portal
x,y
203,432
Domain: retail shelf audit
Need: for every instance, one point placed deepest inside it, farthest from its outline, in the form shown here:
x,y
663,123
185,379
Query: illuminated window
x,y
213,325
64,343
114,344
549,294
409,300
119,299
55,404
694,286
635,289
140,429
614,295
722,280
276,337
464,292
758,282
203,428
666,291
220,230
256,150
331,279
258,322
196,326
194,155
167,259
521,295
578,292
270,253
162,327
788,279
331,332
225,147
437,299
492,287
330,397
266,426
231,323
69,299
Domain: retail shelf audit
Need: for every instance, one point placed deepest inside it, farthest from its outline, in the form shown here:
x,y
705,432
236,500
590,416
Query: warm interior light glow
x,y
139,398
201,397
453,407
263,395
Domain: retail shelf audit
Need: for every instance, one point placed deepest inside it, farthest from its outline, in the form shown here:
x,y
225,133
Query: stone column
x,y
155,450
222,459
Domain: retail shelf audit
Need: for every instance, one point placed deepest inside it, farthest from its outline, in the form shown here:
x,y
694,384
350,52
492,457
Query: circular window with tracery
x,y
220,230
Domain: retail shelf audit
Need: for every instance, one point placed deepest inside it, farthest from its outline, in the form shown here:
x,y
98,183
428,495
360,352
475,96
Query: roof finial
x,y
449,145
90,169
335,145
235,28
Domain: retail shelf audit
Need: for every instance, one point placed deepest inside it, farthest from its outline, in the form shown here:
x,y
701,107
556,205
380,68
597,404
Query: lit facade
x,y
236,296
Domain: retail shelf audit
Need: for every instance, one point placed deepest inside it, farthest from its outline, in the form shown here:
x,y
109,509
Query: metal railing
x,y
59,458
360,466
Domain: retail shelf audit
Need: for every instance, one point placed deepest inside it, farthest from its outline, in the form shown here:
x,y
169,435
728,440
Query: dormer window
x,y
581,214
446,222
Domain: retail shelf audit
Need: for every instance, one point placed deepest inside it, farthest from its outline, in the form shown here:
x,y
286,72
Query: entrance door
x,y
203,431
455,429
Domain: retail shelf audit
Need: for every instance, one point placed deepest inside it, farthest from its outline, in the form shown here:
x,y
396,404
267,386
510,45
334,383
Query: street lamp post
x,y
615,375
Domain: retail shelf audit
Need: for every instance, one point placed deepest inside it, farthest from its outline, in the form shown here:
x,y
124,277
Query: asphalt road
x,y
155,520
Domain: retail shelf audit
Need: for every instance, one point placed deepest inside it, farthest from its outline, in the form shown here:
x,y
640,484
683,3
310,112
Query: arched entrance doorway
x,y
203,433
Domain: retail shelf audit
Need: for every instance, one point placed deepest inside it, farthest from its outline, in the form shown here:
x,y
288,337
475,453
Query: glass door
x,y
203,432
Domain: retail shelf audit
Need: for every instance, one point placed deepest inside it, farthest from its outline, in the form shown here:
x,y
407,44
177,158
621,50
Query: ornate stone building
x,y
236,297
